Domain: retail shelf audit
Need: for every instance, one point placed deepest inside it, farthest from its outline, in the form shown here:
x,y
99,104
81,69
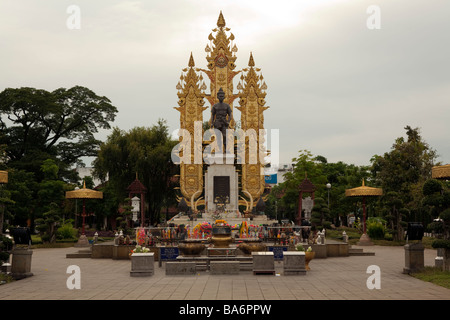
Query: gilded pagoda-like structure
x,y
194,100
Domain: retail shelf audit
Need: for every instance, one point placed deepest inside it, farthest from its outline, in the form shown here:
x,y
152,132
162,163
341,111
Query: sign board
x,y
277,251
167,254
271,178
221,186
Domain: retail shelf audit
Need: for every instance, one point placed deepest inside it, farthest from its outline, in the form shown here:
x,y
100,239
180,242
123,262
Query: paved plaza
x,y
333,278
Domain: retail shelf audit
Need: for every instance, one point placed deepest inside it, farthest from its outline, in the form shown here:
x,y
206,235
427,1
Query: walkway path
x,y
339,278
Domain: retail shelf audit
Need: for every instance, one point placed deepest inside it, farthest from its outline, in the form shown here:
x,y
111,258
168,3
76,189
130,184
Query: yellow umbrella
x,y
440,172
84,194
3,176
364,192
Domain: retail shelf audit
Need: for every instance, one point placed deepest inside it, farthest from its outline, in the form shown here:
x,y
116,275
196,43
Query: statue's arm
x,y
230,113
213,115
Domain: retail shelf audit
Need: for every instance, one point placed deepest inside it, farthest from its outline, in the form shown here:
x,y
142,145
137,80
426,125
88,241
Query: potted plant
x,y
309,255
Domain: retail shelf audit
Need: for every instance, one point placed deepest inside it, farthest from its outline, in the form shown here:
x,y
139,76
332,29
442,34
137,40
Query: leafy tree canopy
x,y
60,125
142,151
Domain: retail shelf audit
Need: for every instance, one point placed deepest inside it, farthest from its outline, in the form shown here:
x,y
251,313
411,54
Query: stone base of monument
x,y
21,263
263,263
414,257
294,263
224,267
142,264
180,268
221,252
365,240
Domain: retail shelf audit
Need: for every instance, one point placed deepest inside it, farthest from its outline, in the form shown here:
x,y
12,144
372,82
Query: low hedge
x,y
441,243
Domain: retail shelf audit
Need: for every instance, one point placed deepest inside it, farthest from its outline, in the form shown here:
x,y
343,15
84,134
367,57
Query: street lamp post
x,y
328,187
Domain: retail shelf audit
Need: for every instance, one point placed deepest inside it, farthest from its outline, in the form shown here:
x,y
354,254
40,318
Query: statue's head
x,y
220,95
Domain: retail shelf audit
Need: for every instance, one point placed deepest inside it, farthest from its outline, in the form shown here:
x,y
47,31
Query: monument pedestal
x,y
221,180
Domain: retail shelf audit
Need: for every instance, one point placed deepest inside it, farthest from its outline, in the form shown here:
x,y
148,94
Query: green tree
x,y
395,213
47,225
404,170
23,188
5,199
319,171
146,151
58,125
437,201
436,196
320,215
408,164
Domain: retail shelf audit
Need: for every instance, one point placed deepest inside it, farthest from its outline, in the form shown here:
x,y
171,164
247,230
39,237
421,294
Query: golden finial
x,y
84,184
191,61
251,62
363,183
221,20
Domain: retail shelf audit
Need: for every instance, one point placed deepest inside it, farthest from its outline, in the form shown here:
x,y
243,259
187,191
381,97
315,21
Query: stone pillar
x,y
263,263
294,263
21,263
442,261
414,257
142,264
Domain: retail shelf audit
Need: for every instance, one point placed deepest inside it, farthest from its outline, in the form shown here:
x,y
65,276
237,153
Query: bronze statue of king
x,y
221,115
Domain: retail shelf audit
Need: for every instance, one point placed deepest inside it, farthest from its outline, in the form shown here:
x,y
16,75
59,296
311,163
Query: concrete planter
x,y
294,263
414,257
263,263
21,263
142,264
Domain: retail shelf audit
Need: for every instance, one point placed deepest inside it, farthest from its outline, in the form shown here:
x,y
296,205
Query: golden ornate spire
x,y
191,61
252,106
221,20
251,62
190,106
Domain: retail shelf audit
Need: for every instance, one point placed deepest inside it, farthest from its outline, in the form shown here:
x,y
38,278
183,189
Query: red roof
x,y
136,187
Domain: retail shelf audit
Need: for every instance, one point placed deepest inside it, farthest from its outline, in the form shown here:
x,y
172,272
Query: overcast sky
x,y
335,87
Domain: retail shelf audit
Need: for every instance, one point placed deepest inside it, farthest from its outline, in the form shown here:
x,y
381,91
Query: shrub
x,y
436,227
441,243
66,231
375,230
327,224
